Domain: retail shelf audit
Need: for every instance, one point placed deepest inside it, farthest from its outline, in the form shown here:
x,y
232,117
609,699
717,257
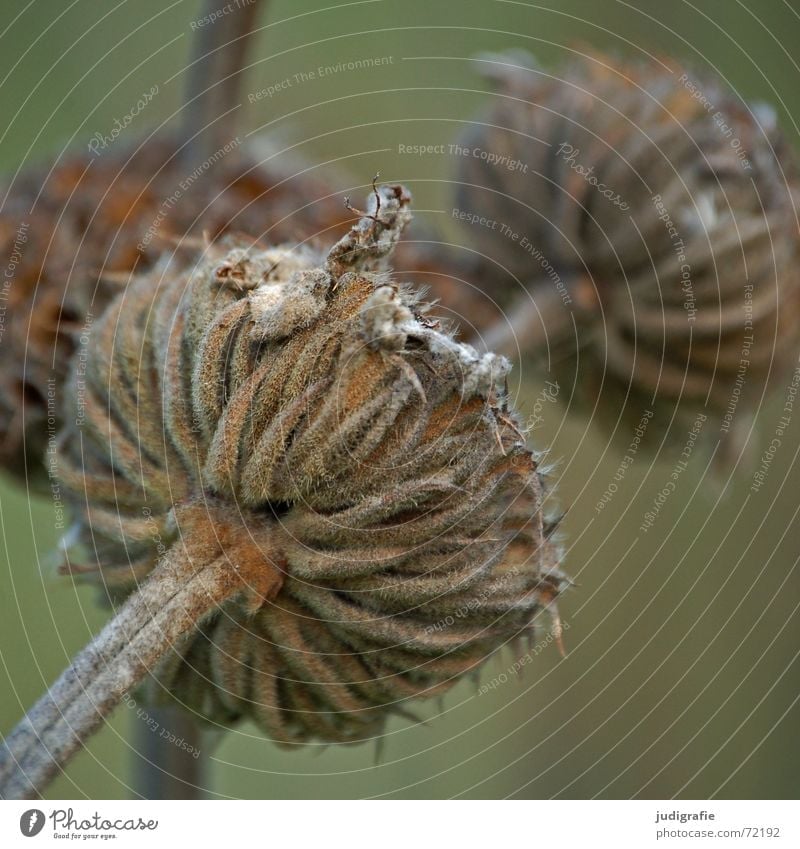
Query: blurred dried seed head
x,y
91,222
73,236
284,409
656,209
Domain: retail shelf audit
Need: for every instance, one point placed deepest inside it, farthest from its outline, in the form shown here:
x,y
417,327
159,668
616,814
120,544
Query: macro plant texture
x,y
330,474
399,400
666,210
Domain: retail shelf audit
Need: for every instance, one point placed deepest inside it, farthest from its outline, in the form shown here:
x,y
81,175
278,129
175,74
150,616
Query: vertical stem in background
x,y
214,76
172,758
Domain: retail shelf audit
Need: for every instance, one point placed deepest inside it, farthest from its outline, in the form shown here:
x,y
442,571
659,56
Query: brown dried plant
x,y
95,221
316,501
656,233
79,228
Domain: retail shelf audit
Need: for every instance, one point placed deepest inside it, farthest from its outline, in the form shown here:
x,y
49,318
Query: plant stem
x,y
168,606
167,770
542,320
215,75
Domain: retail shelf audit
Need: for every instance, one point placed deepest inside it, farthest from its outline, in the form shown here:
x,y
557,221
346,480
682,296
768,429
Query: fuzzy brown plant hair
x,y
660,249
324,501
75,230
92,222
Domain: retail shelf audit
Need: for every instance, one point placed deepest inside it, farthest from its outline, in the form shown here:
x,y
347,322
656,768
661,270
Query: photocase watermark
x,y
649,518
553,637
744,360
65,824
719,118
536,254
213,17
679,247
546,396
475,218
81,360
780,430
318,73
52,454
626,462
155,533
10,272
100,141
450,620
499,160
570,155
496,160
32,822
183,186
157,728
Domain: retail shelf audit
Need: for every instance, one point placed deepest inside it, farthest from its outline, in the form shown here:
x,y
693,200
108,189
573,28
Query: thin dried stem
x,y
215,74
168,607
542,319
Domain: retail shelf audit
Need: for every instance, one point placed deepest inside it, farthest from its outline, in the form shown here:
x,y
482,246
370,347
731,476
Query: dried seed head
x,y
74,235
336,437
95,220
665,208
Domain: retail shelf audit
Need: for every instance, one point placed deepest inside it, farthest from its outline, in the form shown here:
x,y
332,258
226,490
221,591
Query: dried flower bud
x,y
277,409
95,220
664,210
74,236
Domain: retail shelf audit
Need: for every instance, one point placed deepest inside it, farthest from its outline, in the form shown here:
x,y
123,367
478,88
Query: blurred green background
x,y
682,676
